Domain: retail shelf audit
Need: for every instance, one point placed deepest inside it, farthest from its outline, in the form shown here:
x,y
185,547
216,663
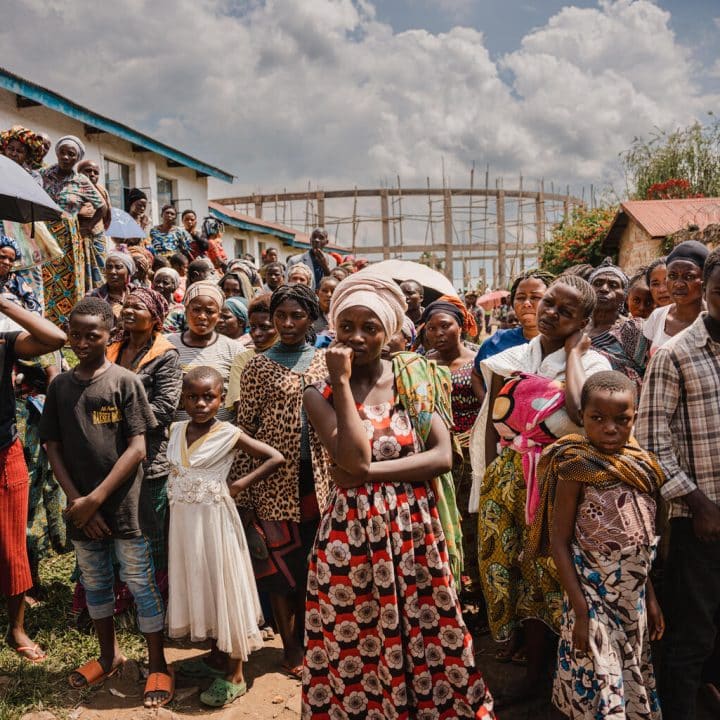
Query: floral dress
x,y
385,636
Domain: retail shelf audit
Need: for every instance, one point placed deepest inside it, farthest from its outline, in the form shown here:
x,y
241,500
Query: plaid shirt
x,y
679,415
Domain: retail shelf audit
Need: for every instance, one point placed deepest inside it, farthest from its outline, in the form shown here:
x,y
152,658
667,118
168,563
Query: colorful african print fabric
x,y
64,282
71,191
21,291
176,240
385,636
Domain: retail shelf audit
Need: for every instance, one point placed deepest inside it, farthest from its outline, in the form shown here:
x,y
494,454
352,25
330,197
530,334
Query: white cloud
x,y
283,91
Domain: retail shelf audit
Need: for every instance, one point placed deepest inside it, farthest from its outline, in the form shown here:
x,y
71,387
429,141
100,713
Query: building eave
x,y
42,96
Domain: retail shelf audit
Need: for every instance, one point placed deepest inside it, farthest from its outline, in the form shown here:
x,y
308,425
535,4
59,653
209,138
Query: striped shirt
x,y
679,415
219,355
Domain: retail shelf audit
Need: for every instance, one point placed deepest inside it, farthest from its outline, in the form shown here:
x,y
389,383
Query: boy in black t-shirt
x,y
94,423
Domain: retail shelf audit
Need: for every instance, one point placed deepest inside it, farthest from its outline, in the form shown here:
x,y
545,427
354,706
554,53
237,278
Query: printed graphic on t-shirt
x,y
106,414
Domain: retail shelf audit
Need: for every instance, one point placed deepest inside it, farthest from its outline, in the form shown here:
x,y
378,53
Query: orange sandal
x,y
93,674
160,682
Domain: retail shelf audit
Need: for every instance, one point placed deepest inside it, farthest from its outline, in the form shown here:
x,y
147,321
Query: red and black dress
x,y
385,636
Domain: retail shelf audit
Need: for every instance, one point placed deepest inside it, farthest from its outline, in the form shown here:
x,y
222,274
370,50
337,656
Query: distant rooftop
x,y
660,218
29,94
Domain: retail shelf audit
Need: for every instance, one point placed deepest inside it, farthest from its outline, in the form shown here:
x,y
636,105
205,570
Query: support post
x,y
384,216
540,218
448,228
258,207
500,278
321,209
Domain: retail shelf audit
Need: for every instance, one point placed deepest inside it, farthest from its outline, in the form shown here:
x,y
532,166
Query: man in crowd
x,y
319,262
414,295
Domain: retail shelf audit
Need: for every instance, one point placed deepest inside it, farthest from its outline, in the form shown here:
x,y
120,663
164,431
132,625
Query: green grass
x,y
25,687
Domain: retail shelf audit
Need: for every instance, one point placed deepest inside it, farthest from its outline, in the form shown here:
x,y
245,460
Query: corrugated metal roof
x,y
660,218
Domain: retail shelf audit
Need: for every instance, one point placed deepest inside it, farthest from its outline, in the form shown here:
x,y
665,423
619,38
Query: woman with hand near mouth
x,y
284,509
201,344
533,399
684,286
617,337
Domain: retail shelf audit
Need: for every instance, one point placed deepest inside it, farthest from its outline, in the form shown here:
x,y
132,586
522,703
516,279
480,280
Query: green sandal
x,y
222,692
198,668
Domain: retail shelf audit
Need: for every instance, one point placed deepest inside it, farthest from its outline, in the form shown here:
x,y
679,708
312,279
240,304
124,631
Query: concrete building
x,y
127,158
640,227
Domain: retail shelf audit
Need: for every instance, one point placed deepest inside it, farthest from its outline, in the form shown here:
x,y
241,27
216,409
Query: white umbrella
x,y
434,282
21,198
123,226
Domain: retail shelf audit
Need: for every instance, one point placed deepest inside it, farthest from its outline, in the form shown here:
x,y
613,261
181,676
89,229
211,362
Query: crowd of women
x,y
365,479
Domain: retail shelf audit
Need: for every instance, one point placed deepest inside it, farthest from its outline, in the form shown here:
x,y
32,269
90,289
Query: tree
x,y
681,163
578,239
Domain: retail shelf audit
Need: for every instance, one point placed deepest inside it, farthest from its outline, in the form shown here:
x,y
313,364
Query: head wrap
x,y
303,269
71,140
207,289
408,330
142,258
136,194
304,296
455,307
31,140
6,241
125,259
169,272
691,251
238,309
375,292
607,267
155,303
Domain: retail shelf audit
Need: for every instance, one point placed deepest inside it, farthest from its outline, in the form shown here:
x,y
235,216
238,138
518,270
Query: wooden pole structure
x,y
258,207
540,218
385,224
321,209
500,278
354,223
448,228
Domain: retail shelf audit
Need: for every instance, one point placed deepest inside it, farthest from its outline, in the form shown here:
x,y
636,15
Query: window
x,y
164,192
239,246
117,182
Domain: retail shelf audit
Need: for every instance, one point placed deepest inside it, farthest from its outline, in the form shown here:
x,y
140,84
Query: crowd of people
x,y
312,448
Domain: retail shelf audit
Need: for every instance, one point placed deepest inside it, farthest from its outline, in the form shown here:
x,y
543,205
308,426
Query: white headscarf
x,y
71,140
368,288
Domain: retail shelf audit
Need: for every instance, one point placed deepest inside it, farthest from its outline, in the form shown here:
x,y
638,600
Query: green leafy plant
x,y
578,239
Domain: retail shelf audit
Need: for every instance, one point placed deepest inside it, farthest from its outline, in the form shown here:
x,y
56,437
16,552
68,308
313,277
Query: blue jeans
x,y
94,558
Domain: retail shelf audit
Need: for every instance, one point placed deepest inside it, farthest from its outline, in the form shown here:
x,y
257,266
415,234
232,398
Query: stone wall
x,y
637,248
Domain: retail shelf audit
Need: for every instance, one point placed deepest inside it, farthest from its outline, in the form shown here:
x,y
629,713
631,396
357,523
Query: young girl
x,y
212,589
599,500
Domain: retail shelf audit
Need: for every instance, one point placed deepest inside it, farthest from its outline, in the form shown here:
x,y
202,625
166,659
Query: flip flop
x,y
222,692
293,671
160,682
93,674
198,668
40,654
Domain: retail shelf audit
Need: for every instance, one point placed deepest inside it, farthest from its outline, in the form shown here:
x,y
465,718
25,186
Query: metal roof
x,y
288,235
42,96
660,218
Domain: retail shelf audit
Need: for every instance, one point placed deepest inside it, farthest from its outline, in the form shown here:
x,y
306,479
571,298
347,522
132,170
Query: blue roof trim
x,y
252,227
56,102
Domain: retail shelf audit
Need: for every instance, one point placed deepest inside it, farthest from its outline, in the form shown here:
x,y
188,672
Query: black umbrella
x,y
21,198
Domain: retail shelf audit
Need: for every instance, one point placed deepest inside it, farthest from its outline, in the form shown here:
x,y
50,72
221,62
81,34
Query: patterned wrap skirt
x,y
14,566
615,679
385,636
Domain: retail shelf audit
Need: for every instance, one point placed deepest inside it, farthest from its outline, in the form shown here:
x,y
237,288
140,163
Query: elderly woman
x,y
533,398
201,344
75,194
119,269
300,274
166,281
284,509
385,635
144,350
684,267
23,147
167,238
617,337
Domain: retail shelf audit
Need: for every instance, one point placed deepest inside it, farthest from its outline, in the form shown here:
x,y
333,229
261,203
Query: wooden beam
x,y
320,209
199,175
173,163
22,102
463,247
500,280
90,130
385,224
138,148
448,232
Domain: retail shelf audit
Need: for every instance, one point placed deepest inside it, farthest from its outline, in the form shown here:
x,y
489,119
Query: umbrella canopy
x,y
21,198
434,282
492,299
123,226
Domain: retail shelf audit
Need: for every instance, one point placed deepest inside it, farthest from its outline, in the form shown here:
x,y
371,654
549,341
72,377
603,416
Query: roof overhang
x,y
33,94
286,237
611,241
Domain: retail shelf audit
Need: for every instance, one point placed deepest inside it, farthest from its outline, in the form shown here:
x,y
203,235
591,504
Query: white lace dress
x,y
212,591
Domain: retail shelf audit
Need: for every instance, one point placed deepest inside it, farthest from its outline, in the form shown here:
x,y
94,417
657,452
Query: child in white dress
x,y
212,592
